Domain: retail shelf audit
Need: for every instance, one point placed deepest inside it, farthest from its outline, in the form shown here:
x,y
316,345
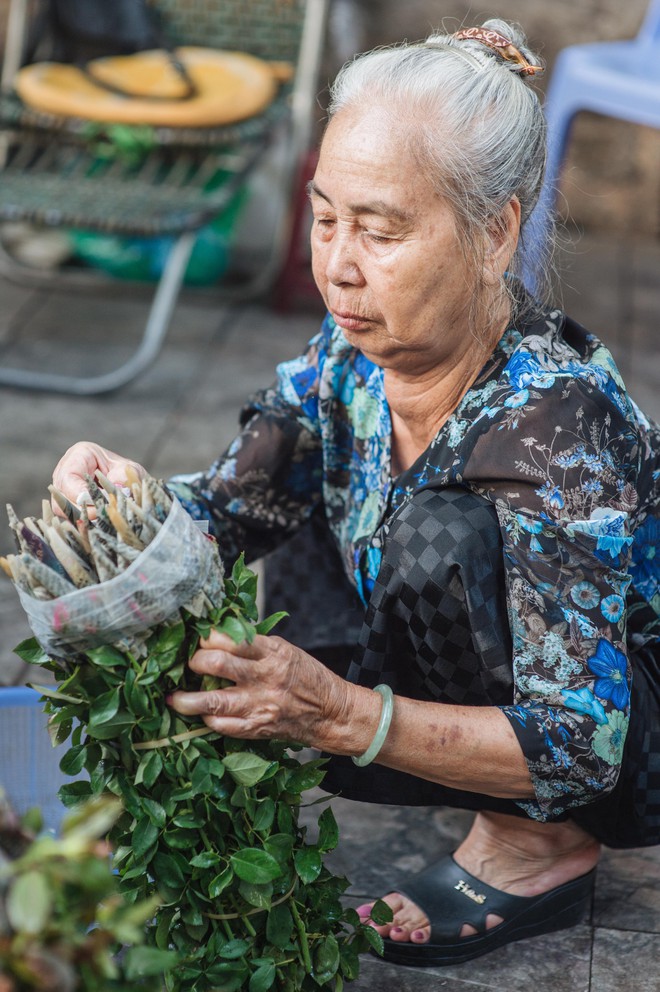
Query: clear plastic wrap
x,y
179,564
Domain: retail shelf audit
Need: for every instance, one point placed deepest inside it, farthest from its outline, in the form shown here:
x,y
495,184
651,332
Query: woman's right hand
x,y
86,458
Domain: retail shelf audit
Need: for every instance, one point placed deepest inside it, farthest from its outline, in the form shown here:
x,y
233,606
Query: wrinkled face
x,y
385,248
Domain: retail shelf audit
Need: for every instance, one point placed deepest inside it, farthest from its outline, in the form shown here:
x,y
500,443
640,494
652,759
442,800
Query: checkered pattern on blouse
x,y
436,626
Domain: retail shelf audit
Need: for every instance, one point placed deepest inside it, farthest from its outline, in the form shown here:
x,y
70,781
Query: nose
x,y
340,261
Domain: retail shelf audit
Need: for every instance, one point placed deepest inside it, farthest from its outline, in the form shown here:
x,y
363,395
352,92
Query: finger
x,y
198,703
83,458
260,647
222,711
221,664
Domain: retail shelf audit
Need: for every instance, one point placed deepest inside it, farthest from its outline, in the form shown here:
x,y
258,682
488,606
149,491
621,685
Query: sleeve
x,y
565,465
269,481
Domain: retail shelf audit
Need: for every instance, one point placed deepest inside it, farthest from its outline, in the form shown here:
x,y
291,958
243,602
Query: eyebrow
x,y
380,208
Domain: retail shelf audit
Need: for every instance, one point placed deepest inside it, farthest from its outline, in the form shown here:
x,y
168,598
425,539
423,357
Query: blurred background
x,y
178,414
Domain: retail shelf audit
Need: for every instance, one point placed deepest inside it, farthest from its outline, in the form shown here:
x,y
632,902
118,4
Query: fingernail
x,y
364,911
396,930
168,700
418,935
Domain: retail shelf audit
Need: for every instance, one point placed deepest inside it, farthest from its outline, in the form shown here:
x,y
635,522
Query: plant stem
x,y
302,934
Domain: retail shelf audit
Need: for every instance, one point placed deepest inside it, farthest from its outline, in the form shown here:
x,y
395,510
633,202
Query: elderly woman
x,y
493,493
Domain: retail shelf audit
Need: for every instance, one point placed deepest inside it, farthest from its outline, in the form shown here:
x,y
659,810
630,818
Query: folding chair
x,y
619,79
51,177
29,764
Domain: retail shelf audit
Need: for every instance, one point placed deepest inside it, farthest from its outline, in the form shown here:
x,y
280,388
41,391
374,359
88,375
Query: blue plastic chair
x,y
29,764
619,79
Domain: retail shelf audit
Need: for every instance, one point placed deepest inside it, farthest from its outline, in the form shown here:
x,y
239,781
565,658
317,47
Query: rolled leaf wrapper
x,y
178,564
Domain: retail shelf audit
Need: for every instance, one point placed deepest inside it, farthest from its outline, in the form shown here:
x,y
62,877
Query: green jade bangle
x,y
383,726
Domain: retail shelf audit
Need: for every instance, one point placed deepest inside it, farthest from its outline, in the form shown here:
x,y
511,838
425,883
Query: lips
x,y
350,321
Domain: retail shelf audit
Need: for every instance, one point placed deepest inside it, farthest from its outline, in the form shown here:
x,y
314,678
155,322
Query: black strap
x,y
108,27
176,63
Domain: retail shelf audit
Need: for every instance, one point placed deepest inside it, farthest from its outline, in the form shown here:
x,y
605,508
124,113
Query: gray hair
x,y
481,138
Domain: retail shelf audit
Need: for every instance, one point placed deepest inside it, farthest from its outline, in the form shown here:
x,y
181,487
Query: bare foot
x,y
516,855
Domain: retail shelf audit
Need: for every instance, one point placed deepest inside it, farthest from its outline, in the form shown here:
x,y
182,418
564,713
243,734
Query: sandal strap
x,y
451,896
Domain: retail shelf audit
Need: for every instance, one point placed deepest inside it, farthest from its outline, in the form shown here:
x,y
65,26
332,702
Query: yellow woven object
x,y
231,87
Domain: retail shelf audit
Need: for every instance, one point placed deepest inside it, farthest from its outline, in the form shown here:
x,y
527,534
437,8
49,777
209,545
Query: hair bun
x,y
505,41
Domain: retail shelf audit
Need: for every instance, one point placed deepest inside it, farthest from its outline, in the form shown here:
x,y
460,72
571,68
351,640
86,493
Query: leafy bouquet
x,y
61,914
210,824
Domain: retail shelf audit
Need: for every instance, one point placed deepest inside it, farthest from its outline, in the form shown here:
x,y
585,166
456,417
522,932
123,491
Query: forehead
x,y
370,150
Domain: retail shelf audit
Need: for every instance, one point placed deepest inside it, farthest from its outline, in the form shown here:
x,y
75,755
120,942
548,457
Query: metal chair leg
x,y
158,322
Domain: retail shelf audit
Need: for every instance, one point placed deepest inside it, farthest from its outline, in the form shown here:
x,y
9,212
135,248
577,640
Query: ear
x,y
502,240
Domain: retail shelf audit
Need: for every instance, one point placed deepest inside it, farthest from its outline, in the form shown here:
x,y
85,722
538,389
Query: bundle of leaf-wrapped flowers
x,y
118,604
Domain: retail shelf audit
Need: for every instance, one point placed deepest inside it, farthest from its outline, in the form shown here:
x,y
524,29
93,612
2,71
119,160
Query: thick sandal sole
x,y
546,916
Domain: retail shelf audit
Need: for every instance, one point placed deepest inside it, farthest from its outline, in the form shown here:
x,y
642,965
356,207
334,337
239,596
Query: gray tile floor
x,y
180,413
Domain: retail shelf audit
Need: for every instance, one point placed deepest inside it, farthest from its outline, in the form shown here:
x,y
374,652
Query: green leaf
x,y
74,793
279,926
259,896
381,913
264,815
262,979
200,779
31,651
107,657
326,959
104,707
305,777
141,962
237,629
245,768
308,864
255,866
328,830
220,882
182,840
266,625
234,949
207,859
112,728
73,761
226,977
350,960
137,699
155,812
374,939
168,869
29,903
150,767
145,836
280,846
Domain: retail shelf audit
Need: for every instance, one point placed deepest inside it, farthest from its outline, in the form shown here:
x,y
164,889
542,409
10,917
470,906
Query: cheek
x,y
318,271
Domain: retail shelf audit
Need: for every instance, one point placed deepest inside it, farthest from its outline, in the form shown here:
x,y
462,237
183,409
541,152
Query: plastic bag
x,y
177,565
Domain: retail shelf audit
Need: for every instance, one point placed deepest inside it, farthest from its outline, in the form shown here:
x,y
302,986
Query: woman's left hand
x,y
279,691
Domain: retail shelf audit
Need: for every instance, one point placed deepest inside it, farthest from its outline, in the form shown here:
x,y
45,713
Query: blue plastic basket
x,y
29,764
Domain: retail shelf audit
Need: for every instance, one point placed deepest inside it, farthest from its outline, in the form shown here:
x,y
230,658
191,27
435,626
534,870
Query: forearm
x,y
462,747
279,691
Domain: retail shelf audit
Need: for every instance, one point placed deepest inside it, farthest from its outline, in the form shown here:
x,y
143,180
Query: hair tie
x,y
502,46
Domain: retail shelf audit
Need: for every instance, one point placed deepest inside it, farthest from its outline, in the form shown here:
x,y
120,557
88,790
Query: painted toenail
x,y
418,935
396,930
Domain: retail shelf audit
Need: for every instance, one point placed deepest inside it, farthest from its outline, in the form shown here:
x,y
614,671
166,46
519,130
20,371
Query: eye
x,y
378,238
324,224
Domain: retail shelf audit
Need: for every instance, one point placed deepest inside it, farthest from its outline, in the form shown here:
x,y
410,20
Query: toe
x,y
407,919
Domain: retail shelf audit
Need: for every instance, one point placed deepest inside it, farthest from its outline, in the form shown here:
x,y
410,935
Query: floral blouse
x,y
549,435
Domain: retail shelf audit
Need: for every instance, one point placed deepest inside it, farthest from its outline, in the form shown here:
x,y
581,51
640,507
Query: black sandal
x,y
451,896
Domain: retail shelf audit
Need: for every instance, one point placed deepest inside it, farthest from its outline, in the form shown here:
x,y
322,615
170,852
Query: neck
x,y
420,404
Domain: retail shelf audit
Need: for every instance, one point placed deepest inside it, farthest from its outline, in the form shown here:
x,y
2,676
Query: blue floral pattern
x,y
548,433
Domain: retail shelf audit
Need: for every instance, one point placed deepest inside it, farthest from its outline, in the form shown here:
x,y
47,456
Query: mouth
x,y
350,321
